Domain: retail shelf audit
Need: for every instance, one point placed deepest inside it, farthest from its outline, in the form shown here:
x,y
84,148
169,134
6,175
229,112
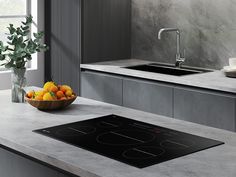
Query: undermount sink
x,y
168,69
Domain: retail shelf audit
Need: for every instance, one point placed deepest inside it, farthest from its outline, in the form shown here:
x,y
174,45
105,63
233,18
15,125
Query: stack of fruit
x,y
51,92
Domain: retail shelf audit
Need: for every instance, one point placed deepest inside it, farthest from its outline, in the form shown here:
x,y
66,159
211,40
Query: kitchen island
x,y
34,154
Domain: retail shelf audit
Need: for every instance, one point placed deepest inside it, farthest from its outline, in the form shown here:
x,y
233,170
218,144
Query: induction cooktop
x,y
129,141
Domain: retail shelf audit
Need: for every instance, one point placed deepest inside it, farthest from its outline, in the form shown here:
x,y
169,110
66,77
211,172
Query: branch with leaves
x,y
20,45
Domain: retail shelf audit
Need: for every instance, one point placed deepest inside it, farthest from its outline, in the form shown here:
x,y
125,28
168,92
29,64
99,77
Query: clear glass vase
x,y
18,81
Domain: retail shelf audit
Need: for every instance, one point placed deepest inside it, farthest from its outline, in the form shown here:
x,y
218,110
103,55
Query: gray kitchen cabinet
x,y
13,165
63,59
101,87
209,108
86,31
202,106
106,30
148,96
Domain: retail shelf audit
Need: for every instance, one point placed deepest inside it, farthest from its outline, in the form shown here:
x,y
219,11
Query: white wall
x,y
34,77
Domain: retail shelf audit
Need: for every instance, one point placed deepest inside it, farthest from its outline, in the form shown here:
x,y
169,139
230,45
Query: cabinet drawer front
x,y
101,87
147,96
205,108
13,165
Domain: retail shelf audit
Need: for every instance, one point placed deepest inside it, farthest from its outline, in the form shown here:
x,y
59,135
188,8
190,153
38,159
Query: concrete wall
x,y
208,30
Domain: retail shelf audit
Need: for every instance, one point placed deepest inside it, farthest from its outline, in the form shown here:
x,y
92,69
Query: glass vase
x,y
18,81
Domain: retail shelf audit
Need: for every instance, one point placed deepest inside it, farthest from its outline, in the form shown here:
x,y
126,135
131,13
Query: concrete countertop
x,y
211,80
19,120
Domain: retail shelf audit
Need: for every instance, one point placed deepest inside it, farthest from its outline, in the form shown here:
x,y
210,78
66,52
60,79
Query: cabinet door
x,y
205,107
63,31
147,96
13,165
101,87
106,30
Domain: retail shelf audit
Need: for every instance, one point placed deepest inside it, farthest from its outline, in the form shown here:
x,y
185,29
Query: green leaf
x,y
26,32
11,29
9,64
23,45
2,57
29,20
14,41
36,40
19,31
25,28
20,40
26,40
10,37
52,94
36,35
29,57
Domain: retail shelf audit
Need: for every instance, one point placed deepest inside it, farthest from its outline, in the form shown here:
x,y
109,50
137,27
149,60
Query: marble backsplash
x,y
208,30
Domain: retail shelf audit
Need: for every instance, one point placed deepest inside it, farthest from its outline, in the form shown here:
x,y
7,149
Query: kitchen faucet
x,y
179,60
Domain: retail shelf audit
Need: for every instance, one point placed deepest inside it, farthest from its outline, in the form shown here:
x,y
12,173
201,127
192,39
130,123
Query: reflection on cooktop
x,y
75,131
133,142
125,137
176,144
143,152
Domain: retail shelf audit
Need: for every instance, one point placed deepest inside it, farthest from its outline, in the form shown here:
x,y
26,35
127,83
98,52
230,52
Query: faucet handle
x,y
184,54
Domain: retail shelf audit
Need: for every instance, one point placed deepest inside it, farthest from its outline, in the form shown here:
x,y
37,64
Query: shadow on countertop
x,y
82,109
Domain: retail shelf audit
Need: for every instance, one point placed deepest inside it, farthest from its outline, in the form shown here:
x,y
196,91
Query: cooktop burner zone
x,y
133,142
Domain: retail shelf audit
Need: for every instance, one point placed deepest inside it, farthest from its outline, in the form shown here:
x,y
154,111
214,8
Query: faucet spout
x,y
179,60
167,30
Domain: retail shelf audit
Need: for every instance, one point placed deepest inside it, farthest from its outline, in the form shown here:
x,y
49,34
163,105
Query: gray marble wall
x,y
208,29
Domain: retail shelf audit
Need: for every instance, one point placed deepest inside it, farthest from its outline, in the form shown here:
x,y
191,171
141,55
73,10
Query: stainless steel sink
x,y
168,69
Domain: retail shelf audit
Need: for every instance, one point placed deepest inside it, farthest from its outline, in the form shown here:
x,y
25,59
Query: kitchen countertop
x,y
211,80
18,121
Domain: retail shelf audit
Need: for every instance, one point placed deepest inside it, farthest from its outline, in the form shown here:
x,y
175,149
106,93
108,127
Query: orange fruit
x,y
60,94
30,94
53,89
68,93
39,98
65,88
63,98
49,96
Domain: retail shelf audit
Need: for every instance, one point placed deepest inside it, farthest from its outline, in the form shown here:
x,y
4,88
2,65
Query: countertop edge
x,y
36,156
183,81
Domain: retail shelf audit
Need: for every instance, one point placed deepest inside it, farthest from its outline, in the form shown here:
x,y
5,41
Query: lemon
x,y
67,87
49,96
68,93
40,93
48,85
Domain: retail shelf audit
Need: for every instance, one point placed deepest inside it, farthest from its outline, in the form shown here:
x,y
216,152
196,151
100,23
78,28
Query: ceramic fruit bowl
x,y
50,105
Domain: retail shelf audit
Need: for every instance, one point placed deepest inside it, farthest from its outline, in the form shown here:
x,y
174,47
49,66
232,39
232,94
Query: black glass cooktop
x,y
135,143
